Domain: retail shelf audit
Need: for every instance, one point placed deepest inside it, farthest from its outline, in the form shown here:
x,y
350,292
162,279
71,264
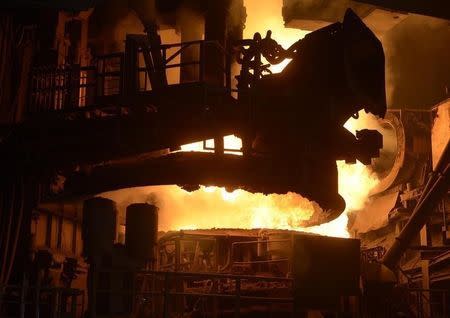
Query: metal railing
x,y
427,303
203,48
53,88
35,301
286,260
69,87
372,255
109,74
176,294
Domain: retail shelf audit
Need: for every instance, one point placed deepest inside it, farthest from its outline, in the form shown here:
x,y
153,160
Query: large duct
x,y
405,159
99,227
436,187
141,230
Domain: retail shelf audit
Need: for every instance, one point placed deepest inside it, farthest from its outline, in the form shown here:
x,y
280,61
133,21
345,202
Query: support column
x,y
215,30
61,43
214,59
191,28
130,81
84,53
425,265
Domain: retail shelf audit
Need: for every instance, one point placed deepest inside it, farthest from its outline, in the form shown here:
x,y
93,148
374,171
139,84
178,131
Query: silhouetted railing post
x,y
73,96
237,305
228,71
444,304
202,61
166,296
23,294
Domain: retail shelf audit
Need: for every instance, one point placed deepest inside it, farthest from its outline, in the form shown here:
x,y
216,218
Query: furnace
x,y
226,158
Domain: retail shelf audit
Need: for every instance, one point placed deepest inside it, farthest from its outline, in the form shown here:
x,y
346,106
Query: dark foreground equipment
x,y
291,123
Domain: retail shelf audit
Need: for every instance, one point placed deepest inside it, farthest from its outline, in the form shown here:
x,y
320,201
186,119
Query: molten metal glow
x,y
241,209
283,211
214,207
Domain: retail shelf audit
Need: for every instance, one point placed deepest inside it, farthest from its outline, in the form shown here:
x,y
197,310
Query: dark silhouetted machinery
x,y
291,123
118,120
229,272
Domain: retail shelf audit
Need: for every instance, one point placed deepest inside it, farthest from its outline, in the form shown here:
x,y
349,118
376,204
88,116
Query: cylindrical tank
x,y
141,230
99,226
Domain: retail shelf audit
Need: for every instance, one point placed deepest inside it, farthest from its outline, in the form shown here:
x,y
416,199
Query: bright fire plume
x,y
241,209
214,207
283,211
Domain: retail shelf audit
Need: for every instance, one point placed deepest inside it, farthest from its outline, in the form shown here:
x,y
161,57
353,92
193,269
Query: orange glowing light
x,y
248,210
267,15
214,207
242,209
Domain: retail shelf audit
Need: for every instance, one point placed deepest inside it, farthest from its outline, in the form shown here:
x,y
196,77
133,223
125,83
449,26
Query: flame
x,y
214,207
266,211
242,209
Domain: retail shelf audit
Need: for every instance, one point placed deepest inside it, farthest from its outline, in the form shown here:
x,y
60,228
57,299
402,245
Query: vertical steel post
x,y
23,296
73,304
444,304
54,294
237,305
202,61
425,267
130,73
228,70
166,296
92,290
37,292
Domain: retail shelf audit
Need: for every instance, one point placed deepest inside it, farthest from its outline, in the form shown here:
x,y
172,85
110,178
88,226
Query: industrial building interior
x,y
224,158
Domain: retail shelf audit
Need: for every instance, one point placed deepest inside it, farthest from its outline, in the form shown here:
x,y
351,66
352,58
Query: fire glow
x,y
215,207
282,211
241,209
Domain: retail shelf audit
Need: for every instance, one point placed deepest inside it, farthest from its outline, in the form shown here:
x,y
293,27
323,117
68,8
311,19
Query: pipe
x,y
437,185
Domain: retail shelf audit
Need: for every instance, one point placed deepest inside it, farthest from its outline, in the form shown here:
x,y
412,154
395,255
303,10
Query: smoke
x,y
109,24
190,23
145,10
267,15
381,165
417,62
330,10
